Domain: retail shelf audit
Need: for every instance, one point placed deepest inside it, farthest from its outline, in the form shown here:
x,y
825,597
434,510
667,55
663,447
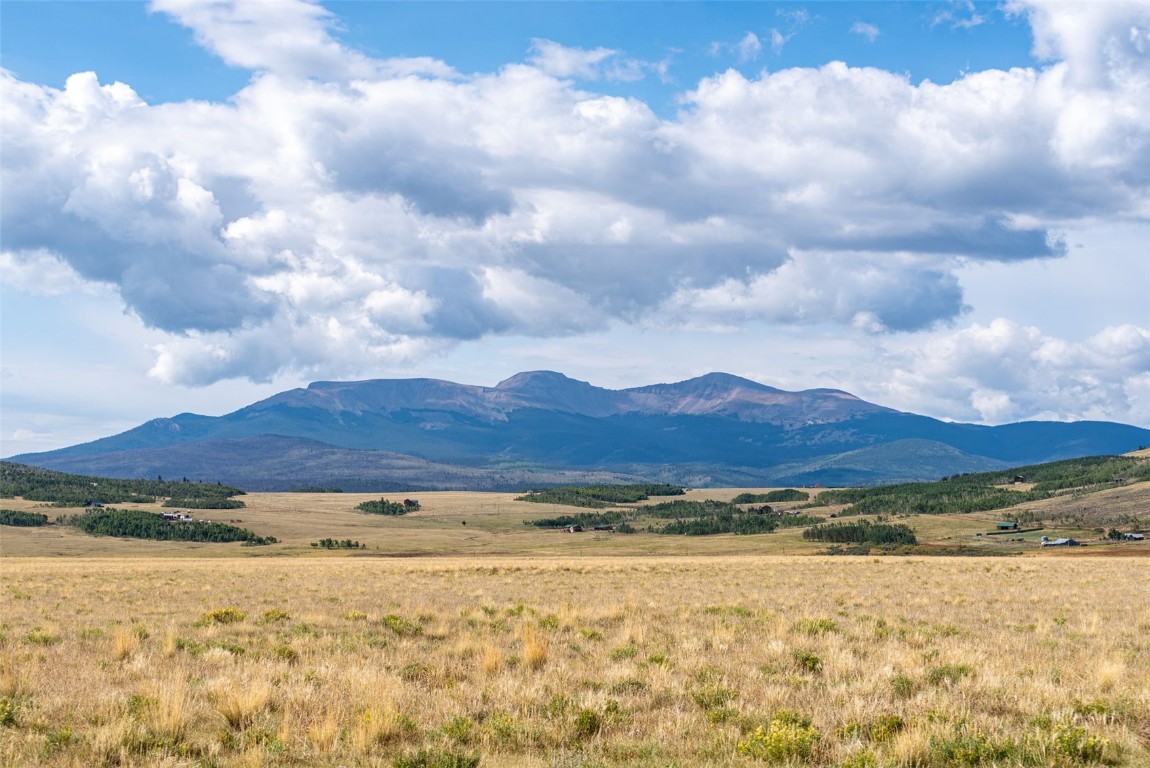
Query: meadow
x,y
575,661
457,635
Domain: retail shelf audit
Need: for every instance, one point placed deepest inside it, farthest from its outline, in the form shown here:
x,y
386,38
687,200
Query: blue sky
x,y
941,207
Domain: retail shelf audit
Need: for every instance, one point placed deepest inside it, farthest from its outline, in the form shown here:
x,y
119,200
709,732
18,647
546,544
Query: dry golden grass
x,y
646,661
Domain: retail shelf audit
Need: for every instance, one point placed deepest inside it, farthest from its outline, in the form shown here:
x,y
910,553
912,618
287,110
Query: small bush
x,y
274,615
904,686
416,673
7,711
624,652
816,627
948,673
969,749
426,758
588,723
807,661
789,737
630,685
400,625
38,636
713,697
1078,744
286,653
230,615
861,760
458,729
883,728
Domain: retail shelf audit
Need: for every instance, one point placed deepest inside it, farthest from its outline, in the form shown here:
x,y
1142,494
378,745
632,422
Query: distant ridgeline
x,y
65,490
983,492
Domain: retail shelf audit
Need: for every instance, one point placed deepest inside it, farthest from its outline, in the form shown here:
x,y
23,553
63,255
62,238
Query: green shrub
x,y
230,615
425,758
861,760
815,627
713,697
400,625
274,615
1078,744
38,636
8,709
948,673
416,673
904,686
624,652
970,749
588,723
286,653
459,729
630,685
788,738
807,661
881,729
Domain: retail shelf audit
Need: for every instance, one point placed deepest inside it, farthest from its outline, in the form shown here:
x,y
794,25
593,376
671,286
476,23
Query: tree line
x,y
136,524
65,489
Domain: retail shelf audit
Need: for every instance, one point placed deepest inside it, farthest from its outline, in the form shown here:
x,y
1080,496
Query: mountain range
x,y
543,428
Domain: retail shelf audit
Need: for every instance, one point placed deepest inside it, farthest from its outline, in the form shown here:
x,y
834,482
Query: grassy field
x,y
459,634
459,523
685,661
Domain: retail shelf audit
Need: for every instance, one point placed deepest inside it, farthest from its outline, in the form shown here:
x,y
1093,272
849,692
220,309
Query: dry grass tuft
x,y
125,642
242,701
534,647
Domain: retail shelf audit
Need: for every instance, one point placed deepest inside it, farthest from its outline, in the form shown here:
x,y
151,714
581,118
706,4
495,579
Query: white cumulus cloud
x,y
341,209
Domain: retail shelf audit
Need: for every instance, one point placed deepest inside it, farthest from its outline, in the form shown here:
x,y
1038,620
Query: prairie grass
x,y
734,661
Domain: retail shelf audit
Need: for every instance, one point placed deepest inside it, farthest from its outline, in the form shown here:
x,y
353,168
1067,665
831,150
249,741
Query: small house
x,y
1065,542
1017,479
1133,536
1006,526
574,529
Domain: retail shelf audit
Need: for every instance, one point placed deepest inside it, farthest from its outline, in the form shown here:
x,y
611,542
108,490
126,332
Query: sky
x,y
940,207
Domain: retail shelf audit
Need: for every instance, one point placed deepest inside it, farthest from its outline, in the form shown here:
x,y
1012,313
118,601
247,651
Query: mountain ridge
x,y
713,428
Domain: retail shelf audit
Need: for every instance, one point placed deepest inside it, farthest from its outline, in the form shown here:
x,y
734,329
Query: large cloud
x,y
341,210
1003,371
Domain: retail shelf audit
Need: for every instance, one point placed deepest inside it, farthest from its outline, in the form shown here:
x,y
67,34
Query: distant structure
x,y
1133,536
1048,542
1006,526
